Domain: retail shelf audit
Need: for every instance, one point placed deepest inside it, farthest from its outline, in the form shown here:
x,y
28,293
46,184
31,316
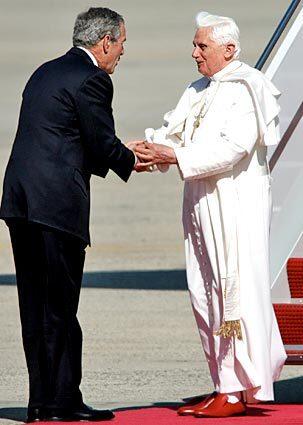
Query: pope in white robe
x,y
218,136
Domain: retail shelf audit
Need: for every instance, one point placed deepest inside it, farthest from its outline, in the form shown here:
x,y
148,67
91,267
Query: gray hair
x,y
223,29
91,26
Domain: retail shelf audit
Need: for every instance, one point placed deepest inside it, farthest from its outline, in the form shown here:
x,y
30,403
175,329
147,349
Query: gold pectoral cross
x,y
196,124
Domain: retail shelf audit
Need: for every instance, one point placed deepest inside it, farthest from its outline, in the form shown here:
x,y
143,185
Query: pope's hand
x,y
140,167
152,154
132,144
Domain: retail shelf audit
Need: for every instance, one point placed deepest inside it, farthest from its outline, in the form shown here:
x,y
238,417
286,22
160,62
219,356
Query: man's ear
x,y
106,40
229,51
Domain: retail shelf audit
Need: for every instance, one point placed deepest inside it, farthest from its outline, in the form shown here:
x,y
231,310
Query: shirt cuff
x,y
136,158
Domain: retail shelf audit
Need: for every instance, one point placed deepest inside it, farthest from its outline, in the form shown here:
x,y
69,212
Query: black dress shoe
x,y
82,413
35,414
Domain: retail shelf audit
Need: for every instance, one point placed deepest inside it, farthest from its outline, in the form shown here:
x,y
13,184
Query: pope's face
x,y
209,55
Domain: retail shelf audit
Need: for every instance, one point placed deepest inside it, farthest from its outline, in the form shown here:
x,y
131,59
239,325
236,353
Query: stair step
x,y
295,277
290,315
290,321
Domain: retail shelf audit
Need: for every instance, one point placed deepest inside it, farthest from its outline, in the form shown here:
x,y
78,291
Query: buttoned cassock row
x,y
226,219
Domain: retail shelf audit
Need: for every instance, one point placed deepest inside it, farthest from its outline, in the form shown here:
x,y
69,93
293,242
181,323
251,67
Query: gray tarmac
x,y
140,346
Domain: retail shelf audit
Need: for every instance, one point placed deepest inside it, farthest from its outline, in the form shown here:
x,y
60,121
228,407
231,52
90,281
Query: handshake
x,y
150,154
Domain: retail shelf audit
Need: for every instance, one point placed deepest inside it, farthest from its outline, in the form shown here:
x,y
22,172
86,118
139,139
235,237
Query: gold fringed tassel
x,y
229,329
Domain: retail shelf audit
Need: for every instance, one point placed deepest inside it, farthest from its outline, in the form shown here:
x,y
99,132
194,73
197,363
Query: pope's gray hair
x,y
223,29
91,26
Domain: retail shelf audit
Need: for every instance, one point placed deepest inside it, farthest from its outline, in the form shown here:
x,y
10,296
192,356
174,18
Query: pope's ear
x,y
230,49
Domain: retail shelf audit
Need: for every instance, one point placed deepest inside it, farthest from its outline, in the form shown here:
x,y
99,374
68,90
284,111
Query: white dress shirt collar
x,y
232,66
89,54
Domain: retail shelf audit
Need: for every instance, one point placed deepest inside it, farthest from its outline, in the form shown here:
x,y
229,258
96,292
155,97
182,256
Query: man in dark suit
x,y
65,133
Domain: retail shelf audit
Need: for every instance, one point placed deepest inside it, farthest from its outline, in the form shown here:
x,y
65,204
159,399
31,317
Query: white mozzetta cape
x,y
263,92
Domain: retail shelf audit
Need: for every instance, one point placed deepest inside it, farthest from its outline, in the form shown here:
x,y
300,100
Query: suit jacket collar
x,y
80,52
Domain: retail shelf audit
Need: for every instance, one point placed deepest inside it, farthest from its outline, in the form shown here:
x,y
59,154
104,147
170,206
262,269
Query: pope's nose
x,y
195,53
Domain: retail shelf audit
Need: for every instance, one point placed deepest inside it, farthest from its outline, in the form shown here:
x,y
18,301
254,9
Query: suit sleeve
x,y
104,149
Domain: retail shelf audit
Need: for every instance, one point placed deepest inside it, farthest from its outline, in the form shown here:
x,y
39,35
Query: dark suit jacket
x,y
65,133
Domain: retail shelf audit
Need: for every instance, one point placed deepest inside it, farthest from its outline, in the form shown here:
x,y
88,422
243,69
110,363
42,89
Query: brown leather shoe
x,y
189,408
219,407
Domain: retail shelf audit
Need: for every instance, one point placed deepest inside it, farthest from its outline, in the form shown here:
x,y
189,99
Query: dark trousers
x,y
49,267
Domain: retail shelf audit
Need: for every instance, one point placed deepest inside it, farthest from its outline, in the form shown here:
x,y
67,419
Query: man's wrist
x,y
136,158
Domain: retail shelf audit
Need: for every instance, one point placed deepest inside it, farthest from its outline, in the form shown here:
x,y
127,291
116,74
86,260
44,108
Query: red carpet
x,y
269,414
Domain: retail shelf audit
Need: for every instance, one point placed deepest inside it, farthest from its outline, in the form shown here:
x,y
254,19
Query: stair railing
x,y
277,34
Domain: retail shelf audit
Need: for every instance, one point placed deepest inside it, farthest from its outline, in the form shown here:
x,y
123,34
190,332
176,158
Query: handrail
x,y
276,35
287,135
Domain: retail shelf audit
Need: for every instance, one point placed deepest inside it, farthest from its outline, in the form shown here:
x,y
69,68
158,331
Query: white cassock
x,y
226,218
